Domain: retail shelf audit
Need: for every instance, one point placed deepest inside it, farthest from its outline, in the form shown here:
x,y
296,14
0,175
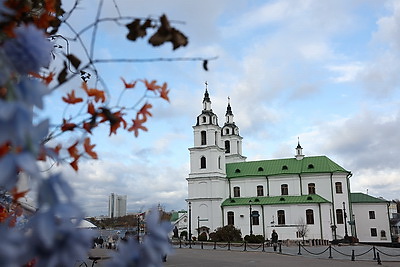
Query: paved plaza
x,y
224,258
221,257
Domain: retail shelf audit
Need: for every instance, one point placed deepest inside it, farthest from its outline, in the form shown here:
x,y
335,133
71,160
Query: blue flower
x,y
13,246
4,11
31,92
29,50
54,238
148,254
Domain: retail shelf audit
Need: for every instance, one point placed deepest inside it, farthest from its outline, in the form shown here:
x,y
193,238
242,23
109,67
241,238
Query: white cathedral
x,y
284,194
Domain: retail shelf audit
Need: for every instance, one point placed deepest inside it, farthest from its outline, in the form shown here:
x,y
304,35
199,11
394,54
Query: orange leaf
x,y
74,164
151,86
138,125
89,148
128,85
4,148
17,195
67,126
73,151
46,79
164,92
91,110
97,94
144,111
72,99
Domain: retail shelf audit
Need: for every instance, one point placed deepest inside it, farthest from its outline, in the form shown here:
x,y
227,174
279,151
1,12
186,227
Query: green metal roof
x,y
174,216
318,164
276,200
364,198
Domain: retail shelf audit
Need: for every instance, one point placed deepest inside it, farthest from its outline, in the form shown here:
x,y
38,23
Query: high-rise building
x,y
116,205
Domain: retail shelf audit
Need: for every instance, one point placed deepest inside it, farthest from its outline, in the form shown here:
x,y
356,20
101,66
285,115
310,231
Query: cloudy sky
x,y
326,72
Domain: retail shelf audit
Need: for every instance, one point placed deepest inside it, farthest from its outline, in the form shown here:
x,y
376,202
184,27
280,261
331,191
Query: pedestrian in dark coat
x,y
274,239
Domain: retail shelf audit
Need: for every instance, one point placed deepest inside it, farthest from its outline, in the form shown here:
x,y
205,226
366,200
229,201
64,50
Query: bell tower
x,y
231,139
207,183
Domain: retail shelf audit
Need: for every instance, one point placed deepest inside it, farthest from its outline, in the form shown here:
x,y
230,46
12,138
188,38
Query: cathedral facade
x,y
299,197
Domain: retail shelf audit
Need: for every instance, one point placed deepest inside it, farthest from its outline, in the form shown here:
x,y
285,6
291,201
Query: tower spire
x,y
206,99
299,150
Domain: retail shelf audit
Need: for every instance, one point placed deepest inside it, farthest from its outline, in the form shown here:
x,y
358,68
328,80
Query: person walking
x,y
274,239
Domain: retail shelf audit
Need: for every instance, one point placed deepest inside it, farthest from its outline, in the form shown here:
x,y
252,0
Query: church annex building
x,y
285,194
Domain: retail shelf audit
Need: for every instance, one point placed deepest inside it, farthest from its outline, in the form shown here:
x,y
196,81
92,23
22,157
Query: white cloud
x,y
346,73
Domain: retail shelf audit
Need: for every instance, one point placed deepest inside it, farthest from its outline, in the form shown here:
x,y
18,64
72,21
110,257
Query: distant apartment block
x,y
116,205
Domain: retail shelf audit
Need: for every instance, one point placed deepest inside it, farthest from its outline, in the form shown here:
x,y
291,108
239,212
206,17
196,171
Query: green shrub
x,y
202,237
227,233
254,238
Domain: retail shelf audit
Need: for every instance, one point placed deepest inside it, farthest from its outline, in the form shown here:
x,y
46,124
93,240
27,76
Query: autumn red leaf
x,y
17,195
67,126
89,148
128,85
164,92
74,164
71,98
88,127
46,79
91,110
115,119
73,151
144,111
5,148
137,125
97,94
57,149
151,86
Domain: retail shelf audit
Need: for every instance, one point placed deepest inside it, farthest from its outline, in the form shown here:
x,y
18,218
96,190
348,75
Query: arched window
x,y
260,190
383,233
311,188
231,218
236,191
339,216
203,138
204,119
255,217
219,162
227,146
281,217
339,189
203,162
284,189
310,216
215,137
227,131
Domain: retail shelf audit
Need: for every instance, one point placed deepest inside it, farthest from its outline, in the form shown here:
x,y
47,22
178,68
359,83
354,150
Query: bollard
x,y
299,253
379,258
215,244
245,246
330,252
352,255
190,243
280,248
229,245
180,243
201,244
263,250
373,248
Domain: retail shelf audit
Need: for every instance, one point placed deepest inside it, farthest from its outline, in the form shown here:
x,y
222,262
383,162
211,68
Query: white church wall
x,y
275,183
364,223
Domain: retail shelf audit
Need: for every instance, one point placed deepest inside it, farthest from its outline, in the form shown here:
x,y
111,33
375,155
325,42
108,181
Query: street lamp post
x,y
190,220
346,236
198,226
251,221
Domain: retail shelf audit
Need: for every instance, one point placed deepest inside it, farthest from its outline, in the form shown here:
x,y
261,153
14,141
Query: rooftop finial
x,y
206,83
